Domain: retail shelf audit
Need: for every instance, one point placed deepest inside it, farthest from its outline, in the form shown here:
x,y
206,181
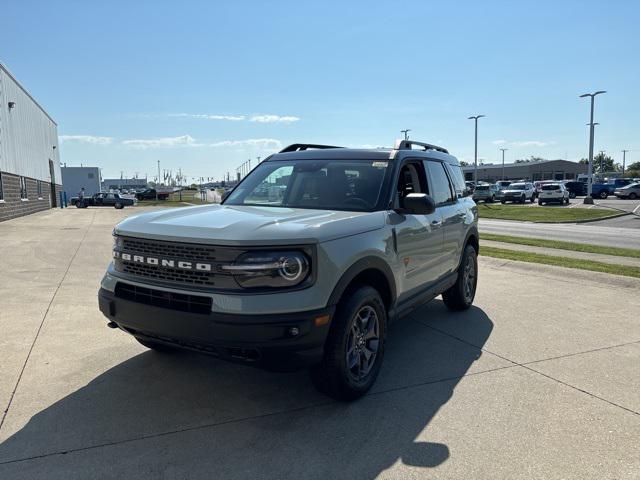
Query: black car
x,y
102,200
576,188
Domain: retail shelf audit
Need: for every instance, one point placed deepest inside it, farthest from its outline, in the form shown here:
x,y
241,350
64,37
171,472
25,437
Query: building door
x,y
52,174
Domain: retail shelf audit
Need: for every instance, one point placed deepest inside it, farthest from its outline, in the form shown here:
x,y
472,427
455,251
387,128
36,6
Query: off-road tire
x,y
332,376
456,297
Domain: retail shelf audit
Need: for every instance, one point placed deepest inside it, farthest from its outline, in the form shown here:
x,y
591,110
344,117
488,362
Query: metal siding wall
x,y
27,135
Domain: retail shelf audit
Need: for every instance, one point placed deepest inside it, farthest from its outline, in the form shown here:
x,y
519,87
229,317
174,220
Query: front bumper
x,y
261,340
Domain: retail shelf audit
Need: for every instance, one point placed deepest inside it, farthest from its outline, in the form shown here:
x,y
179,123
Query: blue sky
x,y
206,85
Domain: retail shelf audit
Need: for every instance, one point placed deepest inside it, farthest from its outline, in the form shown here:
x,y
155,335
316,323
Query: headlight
x,y
117,241
270,269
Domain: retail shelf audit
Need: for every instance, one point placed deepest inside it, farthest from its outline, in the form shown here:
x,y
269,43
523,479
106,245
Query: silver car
x,y
631,191
304,264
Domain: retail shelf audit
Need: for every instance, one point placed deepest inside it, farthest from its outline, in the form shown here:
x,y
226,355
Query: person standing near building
x,y
81,197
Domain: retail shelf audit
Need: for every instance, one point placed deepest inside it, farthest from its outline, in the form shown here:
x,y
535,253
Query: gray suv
x,y
305,263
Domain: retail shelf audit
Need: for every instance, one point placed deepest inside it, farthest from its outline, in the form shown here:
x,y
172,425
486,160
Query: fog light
x,y
294,331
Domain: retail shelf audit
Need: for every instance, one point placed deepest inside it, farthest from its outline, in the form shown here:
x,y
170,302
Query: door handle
x,y
436,223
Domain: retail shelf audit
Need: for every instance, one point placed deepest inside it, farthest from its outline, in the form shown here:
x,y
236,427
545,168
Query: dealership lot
x,y
541,379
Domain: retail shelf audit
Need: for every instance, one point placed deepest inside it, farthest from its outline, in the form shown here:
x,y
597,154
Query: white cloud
x,y
162,142
264,143
499,142
187,141
274,119
532,143
206,116
92,139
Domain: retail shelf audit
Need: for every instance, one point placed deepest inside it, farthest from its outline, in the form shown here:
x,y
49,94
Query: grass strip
x,y
558,244
541,214
561,261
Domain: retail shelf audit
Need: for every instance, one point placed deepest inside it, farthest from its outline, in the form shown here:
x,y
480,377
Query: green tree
x,y
633,167
603,163
463,163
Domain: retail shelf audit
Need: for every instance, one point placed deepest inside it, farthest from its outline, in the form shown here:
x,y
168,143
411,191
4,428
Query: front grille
x,y
214,255
159,298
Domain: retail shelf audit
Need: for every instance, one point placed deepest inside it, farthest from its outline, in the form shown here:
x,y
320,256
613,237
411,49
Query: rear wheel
x,y
503,202
119,206
604,194
533,198
633,196
460,296
354,348
540,202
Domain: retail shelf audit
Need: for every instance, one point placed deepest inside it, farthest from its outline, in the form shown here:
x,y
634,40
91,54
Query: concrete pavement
x,y
533,382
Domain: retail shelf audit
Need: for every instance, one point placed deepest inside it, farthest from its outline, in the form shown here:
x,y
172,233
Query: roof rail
x,y
407,144
297,147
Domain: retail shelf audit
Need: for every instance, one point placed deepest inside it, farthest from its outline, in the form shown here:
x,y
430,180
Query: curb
x,y
589,220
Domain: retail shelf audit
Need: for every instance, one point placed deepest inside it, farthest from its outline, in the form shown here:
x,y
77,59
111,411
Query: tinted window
x,y
458,180
551,187
353,185
438,183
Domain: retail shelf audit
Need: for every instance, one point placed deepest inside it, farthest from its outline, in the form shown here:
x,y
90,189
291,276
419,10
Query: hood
x,y
244,225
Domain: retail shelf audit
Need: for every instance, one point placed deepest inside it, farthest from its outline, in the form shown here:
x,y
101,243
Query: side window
x,y
457,178
411,179
440,187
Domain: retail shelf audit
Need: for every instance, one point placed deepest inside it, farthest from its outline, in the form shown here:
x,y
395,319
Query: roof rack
x,y
298,147
407,144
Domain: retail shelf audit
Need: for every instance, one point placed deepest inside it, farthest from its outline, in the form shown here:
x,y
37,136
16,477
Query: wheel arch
x,y
372,271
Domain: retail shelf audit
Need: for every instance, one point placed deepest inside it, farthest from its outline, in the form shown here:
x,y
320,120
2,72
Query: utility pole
x,y
475,155
589,199
406,133
503,150
624,160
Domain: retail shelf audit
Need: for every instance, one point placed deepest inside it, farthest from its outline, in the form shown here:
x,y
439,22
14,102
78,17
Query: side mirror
x,y
419,204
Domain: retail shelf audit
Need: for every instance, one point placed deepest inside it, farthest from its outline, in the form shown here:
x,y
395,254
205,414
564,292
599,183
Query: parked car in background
x,y
152,194
631,191
519,192
539,183
103,200
486,193
553,193
603,190
502,185
576,188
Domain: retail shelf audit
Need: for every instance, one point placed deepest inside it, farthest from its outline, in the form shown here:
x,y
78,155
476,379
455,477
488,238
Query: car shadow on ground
x,y
201,415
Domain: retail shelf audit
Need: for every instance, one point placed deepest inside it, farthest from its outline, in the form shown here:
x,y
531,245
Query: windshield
x,y
353,185
516,186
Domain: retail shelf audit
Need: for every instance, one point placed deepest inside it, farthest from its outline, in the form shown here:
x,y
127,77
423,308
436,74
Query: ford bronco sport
x,y
305,263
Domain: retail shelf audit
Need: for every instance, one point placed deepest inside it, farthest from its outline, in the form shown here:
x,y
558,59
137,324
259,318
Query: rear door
x,y
451,210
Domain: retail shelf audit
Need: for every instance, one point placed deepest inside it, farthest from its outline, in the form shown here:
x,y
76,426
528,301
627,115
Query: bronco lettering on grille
x,y
163,262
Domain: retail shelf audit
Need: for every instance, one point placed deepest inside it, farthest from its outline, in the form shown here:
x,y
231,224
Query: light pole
x,y
406,133
624,160
475,155
503,150
589,199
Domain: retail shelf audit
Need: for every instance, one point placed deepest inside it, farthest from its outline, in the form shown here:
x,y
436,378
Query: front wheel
x,y
633,196
604,194
354,348
503,202
540,202
119,206
460,296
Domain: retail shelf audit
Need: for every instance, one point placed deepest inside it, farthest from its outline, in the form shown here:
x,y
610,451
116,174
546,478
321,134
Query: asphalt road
x,y
610,236
532,382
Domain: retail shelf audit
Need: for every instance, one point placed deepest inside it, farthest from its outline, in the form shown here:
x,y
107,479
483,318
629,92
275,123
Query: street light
x,y
503,150
589,199
475,156
624,160
406,133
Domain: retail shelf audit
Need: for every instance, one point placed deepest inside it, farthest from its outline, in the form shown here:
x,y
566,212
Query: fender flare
x,y
357,268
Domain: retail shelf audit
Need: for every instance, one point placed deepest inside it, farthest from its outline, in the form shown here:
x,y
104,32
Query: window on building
x,y
1,190
39,186
23,188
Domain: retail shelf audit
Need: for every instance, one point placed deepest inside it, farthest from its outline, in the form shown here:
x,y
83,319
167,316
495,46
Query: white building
x,y
30,177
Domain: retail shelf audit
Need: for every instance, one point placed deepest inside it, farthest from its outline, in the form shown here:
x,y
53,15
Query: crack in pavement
x,y
44,317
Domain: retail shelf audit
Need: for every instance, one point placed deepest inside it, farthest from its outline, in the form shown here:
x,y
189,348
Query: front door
x,y
419,238
52,174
